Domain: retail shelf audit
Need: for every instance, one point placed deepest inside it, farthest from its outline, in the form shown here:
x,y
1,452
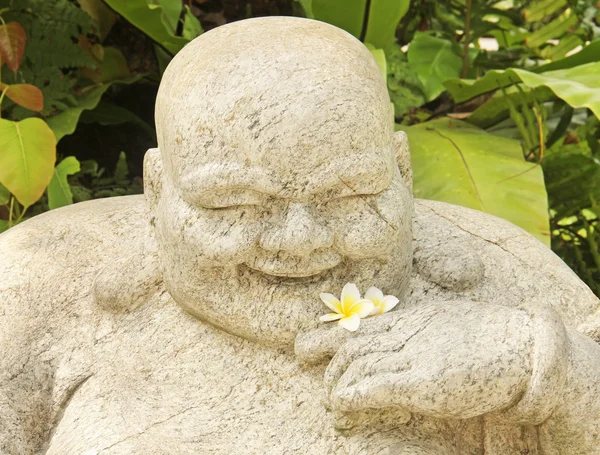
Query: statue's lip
x,y
289,278
293,270
289,274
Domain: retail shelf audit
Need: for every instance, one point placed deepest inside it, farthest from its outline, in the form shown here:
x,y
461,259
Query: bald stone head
x,y
277,176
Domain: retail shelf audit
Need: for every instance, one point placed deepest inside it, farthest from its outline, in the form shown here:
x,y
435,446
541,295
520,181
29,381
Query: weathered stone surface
x,y
186,322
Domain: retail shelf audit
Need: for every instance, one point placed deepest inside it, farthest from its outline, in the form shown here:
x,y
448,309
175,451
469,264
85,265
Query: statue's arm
x,y
562,396
575,424
463,359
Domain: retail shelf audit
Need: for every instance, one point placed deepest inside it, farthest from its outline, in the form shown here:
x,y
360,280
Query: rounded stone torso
x,y
154,380
163,383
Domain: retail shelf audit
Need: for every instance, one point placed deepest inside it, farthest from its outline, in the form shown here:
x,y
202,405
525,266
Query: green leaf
x,y
555,29
403,84
496,108
345,14
384,16
376,26
589,54
4,195
26,95
12,44
103,16
150,21
162,58
27,158
578,86
307,7
191,25
66,122
170,12
539,10
379,57
59,192
573,181
111,114
458,163
3,226
434,61
112,67
566,44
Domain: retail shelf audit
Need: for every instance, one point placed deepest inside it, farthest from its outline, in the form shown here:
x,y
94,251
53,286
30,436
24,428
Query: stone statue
x,y
186,321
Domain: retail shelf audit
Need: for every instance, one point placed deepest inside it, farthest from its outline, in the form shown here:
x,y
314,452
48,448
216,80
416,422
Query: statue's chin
x,y
270,309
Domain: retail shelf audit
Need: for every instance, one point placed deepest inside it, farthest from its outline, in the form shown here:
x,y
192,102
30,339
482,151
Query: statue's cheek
x,y
209,238
363,234
372,226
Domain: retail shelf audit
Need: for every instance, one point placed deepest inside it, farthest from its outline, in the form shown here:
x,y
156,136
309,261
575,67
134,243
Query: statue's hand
x,y
449,360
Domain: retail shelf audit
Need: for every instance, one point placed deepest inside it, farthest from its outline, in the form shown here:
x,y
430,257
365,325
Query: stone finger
x,y
374,392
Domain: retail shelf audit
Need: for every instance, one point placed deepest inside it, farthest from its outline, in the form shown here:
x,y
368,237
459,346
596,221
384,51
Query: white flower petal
x,y
331,317
389,302
331,301
374,295
350,294
351,322
363,308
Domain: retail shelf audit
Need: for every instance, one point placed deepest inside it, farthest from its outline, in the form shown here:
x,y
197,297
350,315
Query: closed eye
x,y
230,199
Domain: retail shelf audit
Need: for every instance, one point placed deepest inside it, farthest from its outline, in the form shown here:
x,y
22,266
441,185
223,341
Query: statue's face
x,y
280,179
249,241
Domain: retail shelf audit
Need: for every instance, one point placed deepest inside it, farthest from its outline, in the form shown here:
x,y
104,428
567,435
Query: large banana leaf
x,y
496,108
578,86
461,164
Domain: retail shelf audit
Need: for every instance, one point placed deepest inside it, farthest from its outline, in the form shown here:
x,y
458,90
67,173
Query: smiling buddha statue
x,y
187,321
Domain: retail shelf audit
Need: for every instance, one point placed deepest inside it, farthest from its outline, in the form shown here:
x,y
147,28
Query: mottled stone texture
x,y
186,322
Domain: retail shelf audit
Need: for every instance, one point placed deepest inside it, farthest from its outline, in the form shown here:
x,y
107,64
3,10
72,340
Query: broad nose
x,y
298,232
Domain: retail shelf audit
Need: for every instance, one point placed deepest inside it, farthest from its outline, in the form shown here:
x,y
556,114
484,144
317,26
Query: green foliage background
x,y
500,99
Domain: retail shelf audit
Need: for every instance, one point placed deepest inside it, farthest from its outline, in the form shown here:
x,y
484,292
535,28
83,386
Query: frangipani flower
x,y
381,304
349,309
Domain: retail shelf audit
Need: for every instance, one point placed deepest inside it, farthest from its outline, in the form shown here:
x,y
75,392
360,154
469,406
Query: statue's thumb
x,y
320,345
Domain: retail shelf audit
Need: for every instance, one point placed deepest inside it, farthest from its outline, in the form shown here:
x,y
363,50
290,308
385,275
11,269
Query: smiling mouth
x,y
288,279
298,270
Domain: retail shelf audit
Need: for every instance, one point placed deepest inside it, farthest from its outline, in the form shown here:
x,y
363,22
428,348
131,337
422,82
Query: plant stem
x,y
2,98
10,211
21,216
467,33
540,121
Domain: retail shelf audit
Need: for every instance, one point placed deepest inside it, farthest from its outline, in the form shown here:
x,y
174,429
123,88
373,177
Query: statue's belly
x,y
161,414
146,417
175,386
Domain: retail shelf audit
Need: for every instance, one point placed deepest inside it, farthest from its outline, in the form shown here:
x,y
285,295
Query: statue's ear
x,y
153,178
402,150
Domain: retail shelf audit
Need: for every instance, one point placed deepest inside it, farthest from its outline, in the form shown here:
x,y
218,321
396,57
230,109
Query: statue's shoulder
x,y
491,259
52,258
